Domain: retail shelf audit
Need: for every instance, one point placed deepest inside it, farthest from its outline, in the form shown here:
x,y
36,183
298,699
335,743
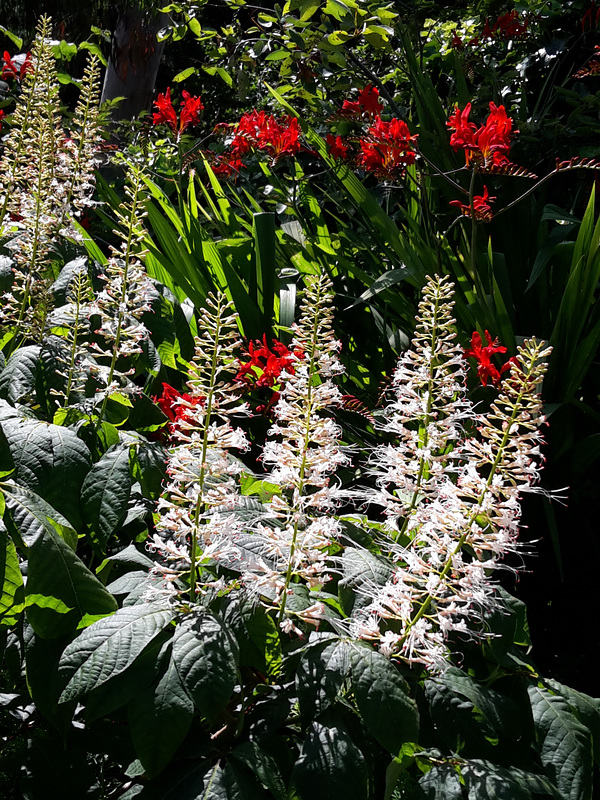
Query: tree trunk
x,y
134,62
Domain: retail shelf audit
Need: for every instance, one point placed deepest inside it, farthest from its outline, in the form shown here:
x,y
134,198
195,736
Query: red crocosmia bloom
x,y
368,104
227,165
1,115
190,110
593,67
336,146
590,19
12,70
166,114
510,25
387,148
486,370
486,146
264,132
457,42
168,402
483,212
265,367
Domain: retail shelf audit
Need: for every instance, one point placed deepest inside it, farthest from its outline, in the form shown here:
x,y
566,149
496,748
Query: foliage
x,y
232,564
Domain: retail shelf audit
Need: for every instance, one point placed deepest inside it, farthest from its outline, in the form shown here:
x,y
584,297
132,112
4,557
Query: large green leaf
x,y
321,673
484,779
105,494
159,719
383,700
206,657
11,581
30,516
61,591
50,460
109,646
564,743
330,766
585,708
18,378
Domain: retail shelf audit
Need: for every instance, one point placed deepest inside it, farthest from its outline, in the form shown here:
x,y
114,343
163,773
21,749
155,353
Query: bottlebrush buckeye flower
x,y
166,114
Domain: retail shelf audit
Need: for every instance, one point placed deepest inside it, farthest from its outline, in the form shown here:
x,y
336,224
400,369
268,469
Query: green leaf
x,y
18,378
383,700
108,647
564,744
159,719
360,566
585,708
32,516
185,73
206,658
57,580
16,40
321,673
11,582
50,460
105,494
330,766
442,783
484,779
264,766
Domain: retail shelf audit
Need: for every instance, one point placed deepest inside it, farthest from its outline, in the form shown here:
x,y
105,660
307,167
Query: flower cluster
x,y
593,65
507,26
481,206
265,366
486,369
173,404
487,146
451,499
166,114
386,148
258,130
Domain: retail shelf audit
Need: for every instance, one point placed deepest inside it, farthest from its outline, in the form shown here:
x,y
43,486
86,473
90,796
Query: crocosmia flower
x,y
336,146
169,403
367,105
486,147
258,130
486,370
387,148
166,114
265,366
12,69
481,207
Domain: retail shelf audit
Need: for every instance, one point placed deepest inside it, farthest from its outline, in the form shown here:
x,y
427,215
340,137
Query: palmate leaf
x,y
564,744
109,646
105,494
206,657
324,667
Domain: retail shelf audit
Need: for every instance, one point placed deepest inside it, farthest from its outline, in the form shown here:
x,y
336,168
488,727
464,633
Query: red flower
x,y
485,369
486,146
456,42
264,132
12,70
1,115
367,105
593,67
388,147
483,212
169,404
265,366
336,146
190,110
166,114
590,19
510,26
226,165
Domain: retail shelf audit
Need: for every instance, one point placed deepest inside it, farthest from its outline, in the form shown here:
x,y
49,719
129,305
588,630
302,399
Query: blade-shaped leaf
x,y
11,581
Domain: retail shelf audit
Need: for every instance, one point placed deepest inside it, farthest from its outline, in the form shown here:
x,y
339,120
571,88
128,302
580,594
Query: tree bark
x,y
134,61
